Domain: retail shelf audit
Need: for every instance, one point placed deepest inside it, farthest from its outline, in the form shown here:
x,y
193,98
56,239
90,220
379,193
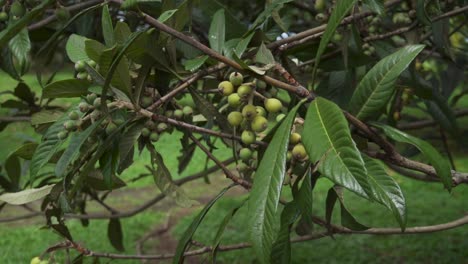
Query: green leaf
x,y
195,63
73,150
421,12
95,180
266,13
20,45
190,231
26,196
441,165
339,12
66,89
386,190
377,86
121,32
281,252
347,220
94,49
107,27
45,116
304,198
13,169
26,151
75,48
23,92
115,234
326,135
266,189
14,27
264,55
216,34
207,109
375,5
166,15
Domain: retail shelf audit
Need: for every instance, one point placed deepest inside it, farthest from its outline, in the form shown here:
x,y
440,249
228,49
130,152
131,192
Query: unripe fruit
x,y
70,125
188,111
280,117
299,152
248,137
178,114
118,121
260,84
154,136
319,5
62,135
80,66
245,154
169,113
91,63
97,102
226,88
288,156
259,124
273,105
3,16
235,118
150,124
84,107
35,260
337,37
145,132
236,78
294,138
320,17
161,127
62,14
244,91
146,101
249,112
234,100
17,9
242,167
260,110
95,114
111,127
91,97
89,78
396,116
82,75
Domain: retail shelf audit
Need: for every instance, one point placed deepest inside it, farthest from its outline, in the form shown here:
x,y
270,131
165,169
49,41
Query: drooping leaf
x,y
275,6
66,89
75,48
209,111
441,165
266,189
326,134
107,27
421,12
217,30
73,150
375,5
45,116
281,252
23,92
195,63
264,55
26,151
115,234
338,13
304,198
95,180
26,196
386,190
20,45
13,169
377,86
347,219
190,231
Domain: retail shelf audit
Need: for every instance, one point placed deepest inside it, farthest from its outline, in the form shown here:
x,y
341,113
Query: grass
x,y
427,204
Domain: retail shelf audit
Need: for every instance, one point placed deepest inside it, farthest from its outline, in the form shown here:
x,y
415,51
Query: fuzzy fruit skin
x,y
280,117
146,101
35,260
234,100
97,102
145,132
236,78
226,88
62,135
84,107
294,138
259,124
299,152
245,154
242,167
260,84
80,66
249,112
91,97
17,9
188,111
248,137
74,115
154,136
70,125
260,110
235,118
3,16
82,75
244,91
161,127
111,127
178,114
92,63
273,105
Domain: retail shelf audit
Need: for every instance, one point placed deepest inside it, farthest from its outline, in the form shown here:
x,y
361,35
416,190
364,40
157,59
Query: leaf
x,y
45,116
166,15
304,198
441,165
347,220
195,63
73,150
266,189
95,180
26,151
107,27
23,92
190,231
20,46
121,32
75,48
341,9
326,134
94,49
115,234
377,86
275,6
128,139
281,252
216,34
264,55
375,5
207,109
421,13
386,190
26,196
13,169
66,89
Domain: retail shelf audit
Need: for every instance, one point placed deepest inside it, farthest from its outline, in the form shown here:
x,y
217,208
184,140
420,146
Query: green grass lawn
x,y
427,204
